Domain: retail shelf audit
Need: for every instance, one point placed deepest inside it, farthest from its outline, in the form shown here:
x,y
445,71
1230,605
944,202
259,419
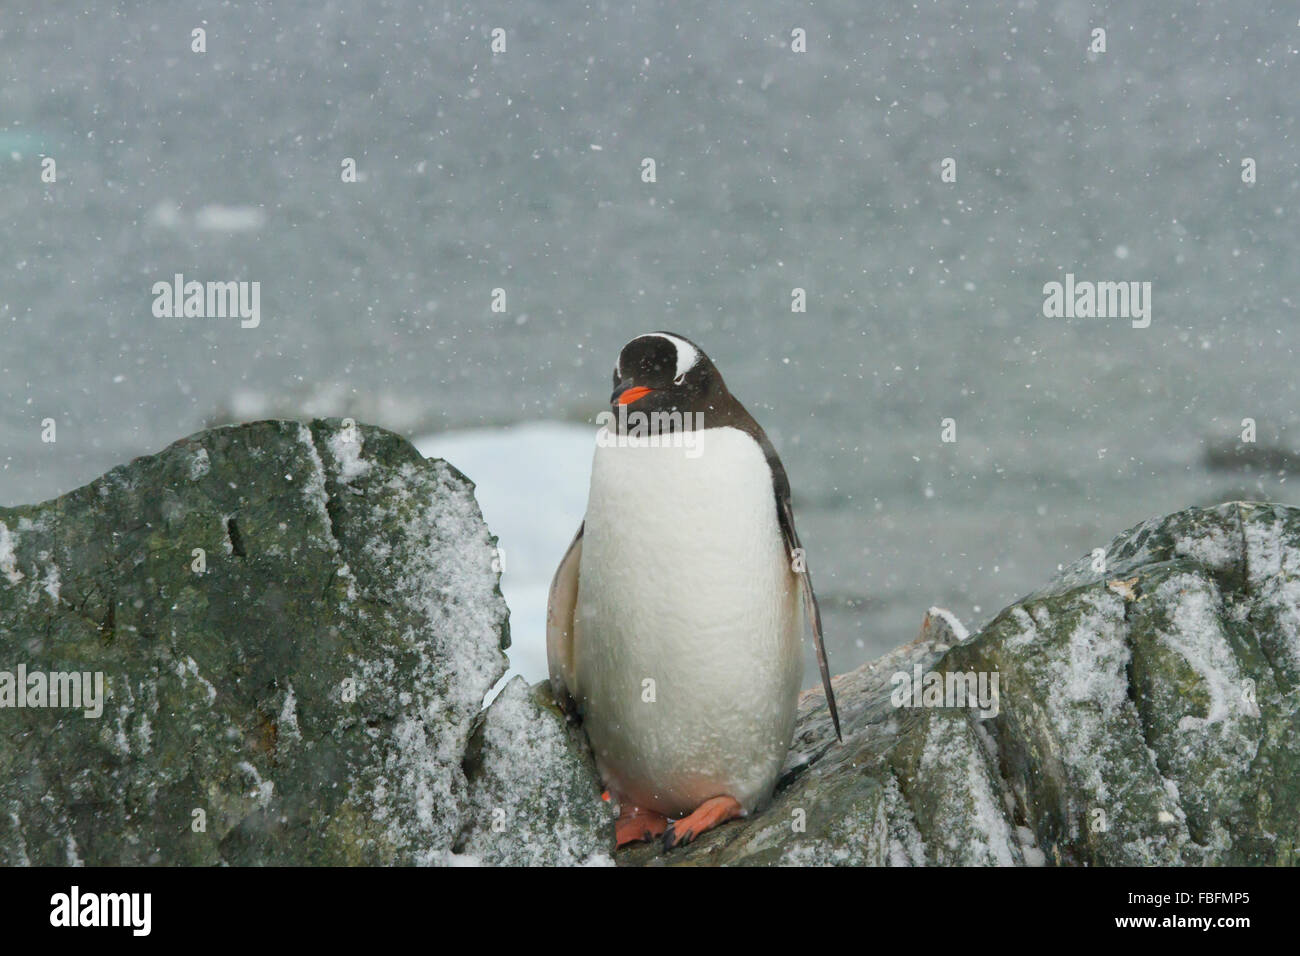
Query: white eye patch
x,y
687,354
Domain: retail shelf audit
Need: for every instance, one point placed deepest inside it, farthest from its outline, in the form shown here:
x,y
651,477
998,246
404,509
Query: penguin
x,y
675,619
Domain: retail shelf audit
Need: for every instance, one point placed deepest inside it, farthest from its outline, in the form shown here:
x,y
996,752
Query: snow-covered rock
x,y
297,625
534,793
1148,712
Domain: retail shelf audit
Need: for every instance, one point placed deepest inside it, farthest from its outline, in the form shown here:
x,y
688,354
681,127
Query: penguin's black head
x,y
665,372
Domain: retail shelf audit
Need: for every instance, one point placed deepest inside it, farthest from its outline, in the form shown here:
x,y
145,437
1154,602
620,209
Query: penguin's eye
x,y
679,379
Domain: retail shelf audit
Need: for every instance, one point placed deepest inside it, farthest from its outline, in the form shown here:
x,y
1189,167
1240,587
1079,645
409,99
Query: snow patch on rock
x,y
8,559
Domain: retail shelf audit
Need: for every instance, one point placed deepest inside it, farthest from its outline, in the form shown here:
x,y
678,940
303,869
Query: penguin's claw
x,y
635,825
709,814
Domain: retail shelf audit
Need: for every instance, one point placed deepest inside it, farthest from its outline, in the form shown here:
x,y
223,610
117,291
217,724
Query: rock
x,y
859,803
296,626
535,796
940,626
1147,712
1156,721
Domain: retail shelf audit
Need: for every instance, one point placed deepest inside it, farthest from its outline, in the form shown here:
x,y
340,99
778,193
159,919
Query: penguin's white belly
x,y
688,628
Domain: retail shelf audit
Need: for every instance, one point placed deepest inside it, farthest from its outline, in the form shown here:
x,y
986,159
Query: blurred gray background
x,y
775,170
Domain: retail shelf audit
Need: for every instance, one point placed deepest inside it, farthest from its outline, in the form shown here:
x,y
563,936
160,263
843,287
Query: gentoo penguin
x,y
675,619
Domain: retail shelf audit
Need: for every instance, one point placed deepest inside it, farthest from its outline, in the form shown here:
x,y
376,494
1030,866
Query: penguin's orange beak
x,y
627,394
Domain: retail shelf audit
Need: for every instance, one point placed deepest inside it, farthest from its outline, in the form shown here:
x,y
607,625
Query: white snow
x,y
314,487
951,752
435,545
531,482
51,582
1089,706
959,632
20,843
262,789
895,806
1028,629
1090,689
8,560
1196,634
1212,546
522,807
1096,669
346,448
1029,847
191,668
1274,571
288,722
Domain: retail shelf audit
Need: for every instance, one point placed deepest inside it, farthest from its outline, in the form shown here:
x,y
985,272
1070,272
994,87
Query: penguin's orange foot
x,y
709,814
635,825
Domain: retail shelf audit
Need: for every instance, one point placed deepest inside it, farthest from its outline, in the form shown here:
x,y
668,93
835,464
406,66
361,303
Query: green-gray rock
x,y
535,797
1147,713
297,626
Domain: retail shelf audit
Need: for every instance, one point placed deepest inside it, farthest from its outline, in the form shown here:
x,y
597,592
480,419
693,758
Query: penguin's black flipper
x,y
785,516
811,608
560,608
